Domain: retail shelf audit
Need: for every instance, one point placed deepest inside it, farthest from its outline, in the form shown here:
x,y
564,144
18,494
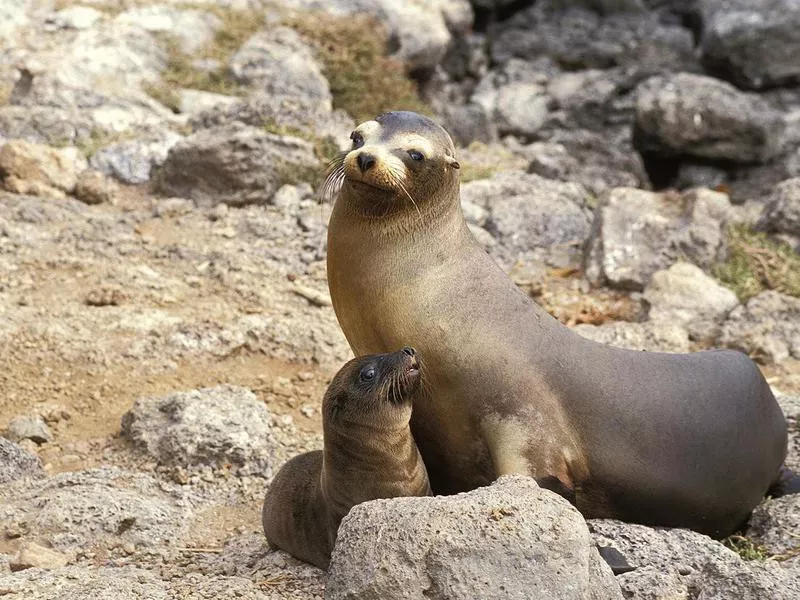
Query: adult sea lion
x,y
689,440
368,453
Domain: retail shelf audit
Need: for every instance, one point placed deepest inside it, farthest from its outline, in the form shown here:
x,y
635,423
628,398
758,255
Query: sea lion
x,y
683,440
368,453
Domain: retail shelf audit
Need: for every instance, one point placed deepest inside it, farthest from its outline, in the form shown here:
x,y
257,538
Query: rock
x,y
78,583
195,102
133,161
636,233
782,211
25,427
748,581
32,555
16,463
698,116
509,540
75,17
45,125
235,164
583,39
532,216
32,168
650,583
774,524
211,426
767,327
791,408
278,63
684,295
753,44
193,29
93,187
649,336
98,509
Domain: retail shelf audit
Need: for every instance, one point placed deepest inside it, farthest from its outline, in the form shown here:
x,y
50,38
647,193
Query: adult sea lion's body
x,y
690,440
368,453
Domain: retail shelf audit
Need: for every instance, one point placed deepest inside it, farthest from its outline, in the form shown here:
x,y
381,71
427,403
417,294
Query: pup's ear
x,y
452,162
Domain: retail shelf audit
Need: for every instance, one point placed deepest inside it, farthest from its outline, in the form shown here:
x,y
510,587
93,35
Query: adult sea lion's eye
x,y
358,141
416,155
367,373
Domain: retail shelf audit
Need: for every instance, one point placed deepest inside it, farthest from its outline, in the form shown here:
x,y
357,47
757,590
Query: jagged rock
x,y
26,427
695,115
133,161
653,337
16,463
774,523
98,509
767,327
93,187
782,211
196,102
651,583
210,426
532,216
748,581
684,295
31,555
193,29
583,39
28,168
44,125
636,233
508,540
278,63
236,165
754,44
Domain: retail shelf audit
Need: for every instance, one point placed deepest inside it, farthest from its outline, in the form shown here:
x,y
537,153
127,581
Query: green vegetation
x,y
364,82
756,263
98,138
746,548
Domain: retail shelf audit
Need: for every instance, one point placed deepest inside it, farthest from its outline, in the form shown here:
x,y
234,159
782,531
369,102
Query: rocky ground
x,y
165,329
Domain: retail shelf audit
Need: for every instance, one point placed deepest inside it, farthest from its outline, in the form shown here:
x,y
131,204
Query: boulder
x,y
133,161
28,168
636,233
216,426
698,116
767,327
509,540
235,165
774,524
782,211
31,555
27,427
649,336
16,463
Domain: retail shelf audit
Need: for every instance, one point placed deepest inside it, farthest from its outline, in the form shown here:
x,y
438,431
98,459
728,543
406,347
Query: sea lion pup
x,y
368,453
682,440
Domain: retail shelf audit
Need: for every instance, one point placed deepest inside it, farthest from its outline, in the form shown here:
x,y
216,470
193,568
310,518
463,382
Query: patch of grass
x,y
471,171
99,138
756,263
746,548
364,82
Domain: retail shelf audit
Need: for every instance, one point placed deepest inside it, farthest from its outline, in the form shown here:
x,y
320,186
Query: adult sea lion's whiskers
x,y
396,181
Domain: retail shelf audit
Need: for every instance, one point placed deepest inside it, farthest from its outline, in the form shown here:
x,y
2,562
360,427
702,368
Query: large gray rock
x,y
210,426
509,540
782,211
636,233
98,510
133,161
28,168
531,216
16,463
236,165
193,29
774,524
753,44
28,427
277,62
791,408
695,115
80,583
767,327
685,295
649,336
45,125
673,561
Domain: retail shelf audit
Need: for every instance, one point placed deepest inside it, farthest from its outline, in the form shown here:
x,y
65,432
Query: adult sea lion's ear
x,y
452,162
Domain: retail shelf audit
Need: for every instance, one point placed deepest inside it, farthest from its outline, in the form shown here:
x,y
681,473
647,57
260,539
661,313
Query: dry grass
x,y
364,82
756,263
746,548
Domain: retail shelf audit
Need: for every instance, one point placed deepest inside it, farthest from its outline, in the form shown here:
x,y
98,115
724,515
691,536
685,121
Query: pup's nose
x,y
410,351
365,161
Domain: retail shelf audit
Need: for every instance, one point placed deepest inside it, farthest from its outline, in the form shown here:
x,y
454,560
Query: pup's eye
x,y
358,141
416,155
367,373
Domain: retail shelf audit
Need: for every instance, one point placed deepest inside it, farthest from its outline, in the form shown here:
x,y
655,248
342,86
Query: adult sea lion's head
x,y
400,161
